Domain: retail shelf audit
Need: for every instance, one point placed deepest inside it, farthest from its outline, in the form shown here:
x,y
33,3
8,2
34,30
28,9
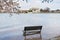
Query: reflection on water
x,y
11,28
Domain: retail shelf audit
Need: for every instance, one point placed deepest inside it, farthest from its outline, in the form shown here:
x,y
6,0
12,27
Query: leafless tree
x,y
48,1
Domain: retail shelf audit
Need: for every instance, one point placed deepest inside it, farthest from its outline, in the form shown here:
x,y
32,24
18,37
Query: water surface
x,y
11,27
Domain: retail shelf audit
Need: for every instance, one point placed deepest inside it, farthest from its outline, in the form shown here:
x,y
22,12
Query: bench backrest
x,y
28,28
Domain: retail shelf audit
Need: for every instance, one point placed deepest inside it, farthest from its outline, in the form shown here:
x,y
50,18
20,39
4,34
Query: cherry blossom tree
x,y
8,6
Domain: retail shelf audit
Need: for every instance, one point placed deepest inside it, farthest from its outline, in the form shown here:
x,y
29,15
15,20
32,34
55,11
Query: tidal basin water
x,y
11,27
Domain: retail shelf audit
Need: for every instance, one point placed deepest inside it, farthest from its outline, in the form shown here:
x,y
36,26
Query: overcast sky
x,y
38,3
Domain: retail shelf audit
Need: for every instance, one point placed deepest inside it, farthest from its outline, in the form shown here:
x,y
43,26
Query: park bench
x,y
30,30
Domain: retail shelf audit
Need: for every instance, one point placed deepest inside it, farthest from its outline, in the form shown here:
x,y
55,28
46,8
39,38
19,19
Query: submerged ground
x,y
11,27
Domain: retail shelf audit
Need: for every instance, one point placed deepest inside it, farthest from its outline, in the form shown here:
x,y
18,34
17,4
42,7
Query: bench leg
x,y
25,35
40,36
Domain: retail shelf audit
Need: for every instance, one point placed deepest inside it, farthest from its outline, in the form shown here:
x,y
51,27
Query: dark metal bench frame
x,y
32,29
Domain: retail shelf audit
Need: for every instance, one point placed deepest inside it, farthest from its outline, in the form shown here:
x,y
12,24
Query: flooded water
x,y
11,27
